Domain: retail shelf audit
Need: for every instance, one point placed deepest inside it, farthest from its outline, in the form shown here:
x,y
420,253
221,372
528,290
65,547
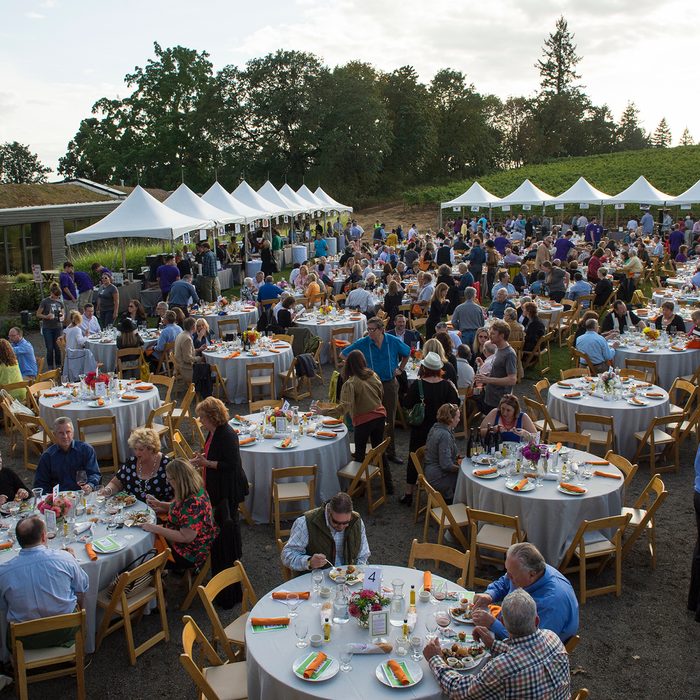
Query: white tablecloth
x,y
332,246
252,267
669,364
106,353
100,573
648,314
259,459
129,414
270,654
550,518
300,253
323,330
627,419
233,369
248,317
225,278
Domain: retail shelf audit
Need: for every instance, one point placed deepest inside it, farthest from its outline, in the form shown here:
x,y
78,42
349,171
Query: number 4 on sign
x,y
373,579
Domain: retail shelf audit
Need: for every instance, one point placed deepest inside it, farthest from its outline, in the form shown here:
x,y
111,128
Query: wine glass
x,y
301,630
346,658
442,617
293,604
430,626
317,578
81,477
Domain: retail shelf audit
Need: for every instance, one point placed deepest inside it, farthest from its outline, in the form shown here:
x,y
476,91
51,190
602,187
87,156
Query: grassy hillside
x,y
672,170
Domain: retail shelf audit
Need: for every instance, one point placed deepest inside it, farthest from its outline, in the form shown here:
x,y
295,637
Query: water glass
x,y
442,617
301,630
317,578
416,647
293,604
430,626
346,658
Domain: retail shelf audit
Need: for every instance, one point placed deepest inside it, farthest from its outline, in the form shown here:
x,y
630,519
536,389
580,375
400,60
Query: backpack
x,y
311,344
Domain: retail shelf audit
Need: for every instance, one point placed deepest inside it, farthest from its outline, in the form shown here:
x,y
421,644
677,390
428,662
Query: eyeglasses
x,y
372,330
339,523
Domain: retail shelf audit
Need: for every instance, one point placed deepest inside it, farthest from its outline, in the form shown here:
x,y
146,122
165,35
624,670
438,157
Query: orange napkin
x,y
564,384
495,610
5,545
332,421
427,580
644,349
396,670
355,318
572,395
636,401
143,387
60,404
129,397
484,472
325,433
232,355
675,348
654,393
286,442
277,352
315,665
283,595
258,621
90,551
246,441
598,462
520,485
572,487
46,394
241,419
643,384
341,343
597,472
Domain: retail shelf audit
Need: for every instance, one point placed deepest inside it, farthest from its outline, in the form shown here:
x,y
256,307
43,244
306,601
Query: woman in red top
x,y
597,259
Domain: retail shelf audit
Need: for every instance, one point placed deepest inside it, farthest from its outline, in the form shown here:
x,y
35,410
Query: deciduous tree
x,y
19,166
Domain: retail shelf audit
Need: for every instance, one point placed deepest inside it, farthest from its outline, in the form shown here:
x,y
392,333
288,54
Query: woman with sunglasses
x,y
136,312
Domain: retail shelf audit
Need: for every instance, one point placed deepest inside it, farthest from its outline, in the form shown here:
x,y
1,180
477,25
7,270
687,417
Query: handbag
x,y
416,415
141,582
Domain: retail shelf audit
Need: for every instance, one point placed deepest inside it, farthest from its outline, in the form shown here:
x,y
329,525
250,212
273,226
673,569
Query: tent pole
x,y
440,217
123,246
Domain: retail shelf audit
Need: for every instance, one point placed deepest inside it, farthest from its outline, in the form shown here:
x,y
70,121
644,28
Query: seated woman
x,y
285,316
313,288
74,335
143,474
189,529
203,336
668,320
510,421
12,488
441,456
129,338
248,290
302,279
10,372
136,312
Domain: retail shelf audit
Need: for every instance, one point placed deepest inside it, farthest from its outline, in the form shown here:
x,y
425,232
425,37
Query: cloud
x,y
34,15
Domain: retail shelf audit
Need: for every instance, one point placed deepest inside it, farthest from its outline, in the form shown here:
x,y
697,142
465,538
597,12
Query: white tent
x,y
217,196
306,195
245,194
641,191
140,215
187,202
690,196
328,200
581,192
475,196
288,193
268,192
527,193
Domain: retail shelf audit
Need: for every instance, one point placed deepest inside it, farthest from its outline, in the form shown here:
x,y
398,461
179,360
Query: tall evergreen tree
x,y
630,135
662,135
686,138
557,66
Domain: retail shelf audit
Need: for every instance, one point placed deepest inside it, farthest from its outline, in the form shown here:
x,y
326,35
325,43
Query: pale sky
x,y
57,57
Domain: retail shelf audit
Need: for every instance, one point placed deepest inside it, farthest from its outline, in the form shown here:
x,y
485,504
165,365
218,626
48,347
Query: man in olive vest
x,y
333,533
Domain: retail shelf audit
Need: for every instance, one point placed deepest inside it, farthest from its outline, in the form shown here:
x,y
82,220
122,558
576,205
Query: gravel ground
x,y
641,645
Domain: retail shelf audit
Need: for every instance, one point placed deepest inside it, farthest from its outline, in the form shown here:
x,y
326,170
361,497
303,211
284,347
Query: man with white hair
x,y
360,298
531,663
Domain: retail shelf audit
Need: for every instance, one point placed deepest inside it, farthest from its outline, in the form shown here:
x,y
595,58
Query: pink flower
x,y
354,610
376,607
368,595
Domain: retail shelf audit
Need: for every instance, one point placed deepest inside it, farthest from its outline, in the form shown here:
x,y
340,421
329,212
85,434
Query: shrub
x,y
110,254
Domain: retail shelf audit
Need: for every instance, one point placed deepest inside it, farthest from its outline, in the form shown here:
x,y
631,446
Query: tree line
x,y
360,132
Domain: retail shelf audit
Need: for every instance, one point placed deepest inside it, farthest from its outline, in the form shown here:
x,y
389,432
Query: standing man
x,y
210,278
647,223
278,249
468,317
593,232
180,294
387,356
68,290
166,275
85,287
504,370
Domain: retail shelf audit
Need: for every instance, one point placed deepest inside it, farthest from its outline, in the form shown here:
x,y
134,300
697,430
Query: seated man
x,y
620,320
580,287
41,582
557,607
531,663
596,346
405,335
360,298
90,323
333,532
500,303
269,290
61,461
168,335
24,352
503,283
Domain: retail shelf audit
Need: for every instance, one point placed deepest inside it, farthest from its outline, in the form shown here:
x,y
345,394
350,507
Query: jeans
x,y
389,400
468,338
106,318
373,431
53,353
694,591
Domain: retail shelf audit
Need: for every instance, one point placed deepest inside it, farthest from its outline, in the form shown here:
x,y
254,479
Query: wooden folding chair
x,y
646,366
260,376
496,534
362,474
229,326
291,384
601,548
642,515
194,578
656,436
287,573
541,418
166,382
33,392
283,336
124,604
452,518
575,373
694,377
232,637
255,406
164,361
540,354
53,375
624,465
181,446
682,395
571,643
105,436
638,374
36,434
565,326
183,412
164,429
129,360
220,383
440,553
604,436
221,680
340,339
570,439
301,489
339,300
541,388
31,659
418,458
581,358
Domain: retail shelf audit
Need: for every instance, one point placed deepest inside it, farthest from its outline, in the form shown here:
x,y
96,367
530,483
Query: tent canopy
x,y
581,192
527,193
245,194
187,202
690,196
217,196
329,201
288,193
475,196
641,191
268,192
140,215
306,195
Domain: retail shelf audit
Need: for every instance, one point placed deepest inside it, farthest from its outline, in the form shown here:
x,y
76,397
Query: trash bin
x,y
24,315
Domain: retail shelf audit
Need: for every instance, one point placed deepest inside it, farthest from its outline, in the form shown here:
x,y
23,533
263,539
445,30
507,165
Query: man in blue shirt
x,y
595,346
41,582
167,335
647,223
387,356
579,288
84,285
24,352
503,283
268,290
181,292
62,460
557,606
563,245
500,303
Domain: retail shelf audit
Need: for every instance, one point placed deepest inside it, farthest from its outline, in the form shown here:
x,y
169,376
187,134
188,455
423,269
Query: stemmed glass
x,y
81,477
301,630
317,578
293,604
346,658
416,647
442,618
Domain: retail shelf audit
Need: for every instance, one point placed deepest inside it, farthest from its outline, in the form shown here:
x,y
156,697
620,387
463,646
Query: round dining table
x,y
669,363
259,459
232,366
104,349
133,542
322,326
628,418
650,313
548,516
270,654
247,315
129,414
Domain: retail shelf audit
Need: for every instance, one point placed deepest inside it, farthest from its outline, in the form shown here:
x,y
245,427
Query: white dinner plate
x,y
331,669
638,402
325,437
249,444
467,663
573,398
107,545
94,404
528,487
483,460
278,445
414,670
495,475
571,493
460,619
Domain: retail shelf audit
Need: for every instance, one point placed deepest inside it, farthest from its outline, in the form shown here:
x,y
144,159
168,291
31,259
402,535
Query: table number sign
x,y
55,490
373,579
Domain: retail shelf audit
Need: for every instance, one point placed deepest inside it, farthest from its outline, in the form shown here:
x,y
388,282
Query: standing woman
x,y
392,300
269,267
107,301
50,313
438,309
694,592
436,392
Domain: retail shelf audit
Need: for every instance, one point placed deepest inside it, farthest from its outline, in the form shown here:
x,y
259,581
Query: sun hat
x,y
432,361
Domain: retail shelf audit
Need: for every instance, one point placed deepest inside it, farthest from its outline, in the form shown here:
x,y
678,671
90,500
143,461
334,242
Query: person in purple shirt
x,y
594,231
167,274
676,239
84,284
563,245
68,290
501,243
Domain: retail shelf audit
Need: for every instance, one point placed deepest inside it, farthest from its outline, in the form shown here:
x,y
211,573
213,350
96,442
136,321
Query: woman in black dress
x,y
438,309
285,316
392,300
269,266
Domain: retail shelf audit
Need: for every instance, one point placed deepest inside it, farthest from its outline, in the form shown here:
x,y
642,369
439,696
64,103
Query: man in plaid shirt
x,y
531,664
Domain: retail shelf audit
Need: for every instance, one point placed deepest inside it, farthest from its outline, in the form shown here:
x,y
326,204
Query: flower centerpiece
x,y
650,333
325,309
250,337
59,505
362,603
416,354
92,378
609,382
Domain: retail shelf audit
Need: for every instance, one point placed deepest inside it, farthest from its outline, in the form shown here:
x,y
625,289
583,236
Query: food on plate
x,y
463,655
124,498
